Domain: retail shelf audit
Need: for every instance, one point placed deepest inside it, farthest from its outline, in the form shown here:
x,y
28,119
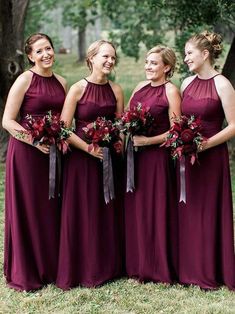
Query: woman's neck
x,y
97,78
206,71
42,72
158,82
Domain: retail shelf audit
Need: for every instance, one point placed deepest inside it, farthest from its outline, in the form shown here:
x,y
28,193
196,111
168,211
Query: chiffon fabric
x,y
151,210
91,231
206,245
32,221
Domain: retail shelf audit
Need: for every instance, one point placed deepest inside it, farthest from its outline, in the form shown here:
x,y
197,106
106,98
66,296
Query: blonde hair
x,y
208,41
168,57
93,49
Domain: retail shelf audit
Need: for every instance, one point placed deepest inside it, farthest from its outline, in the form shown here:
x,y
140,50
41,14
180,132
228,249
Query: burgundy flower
x,y
102,133
184,137
187,136
136,121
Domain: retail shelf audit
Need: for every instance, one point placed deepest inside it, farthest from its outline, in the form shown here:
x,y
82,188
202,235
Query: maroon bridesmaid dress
x,y
91,239
151,210
206,247
32,221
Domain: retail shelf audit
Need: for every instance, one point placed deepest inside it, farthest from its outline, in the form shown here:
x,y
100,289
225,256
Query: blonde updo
x,y
209,41
168,57
93,49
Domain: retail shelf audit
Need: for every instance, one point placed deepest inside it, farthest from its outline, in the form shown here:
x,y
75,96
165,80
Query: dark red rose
x,y
187,136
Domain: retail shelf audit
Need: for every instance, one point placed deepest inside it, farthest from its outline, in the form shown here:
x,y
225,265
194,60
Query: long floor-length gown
x,y
206,248
150,211
91,235
32,221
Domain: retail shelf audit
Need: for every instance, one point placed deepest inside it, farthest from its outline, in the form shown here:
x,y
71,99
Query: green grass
x,y
121,296
124,295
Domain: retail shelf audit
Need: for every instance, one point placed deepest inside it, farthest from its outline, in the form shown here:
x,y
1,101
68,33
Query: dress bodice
x,y
155,98
98,100
43,94
200,98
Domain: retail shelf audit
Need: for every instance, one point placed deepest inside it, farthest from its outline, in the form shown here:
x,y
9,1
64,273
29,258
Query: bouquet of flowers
x,y
102,133
184,137
105,134
135,121
48,130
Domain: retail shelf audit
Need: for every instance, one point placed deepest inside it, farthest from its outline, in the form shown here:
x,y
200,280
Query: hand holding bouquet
x,y
102,133
184,137
135,121
48,130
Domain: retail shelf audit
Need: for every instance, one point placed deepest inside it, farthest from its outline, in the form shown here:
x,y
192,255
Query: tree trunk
x,y
229,72
12,15
229,69
81,44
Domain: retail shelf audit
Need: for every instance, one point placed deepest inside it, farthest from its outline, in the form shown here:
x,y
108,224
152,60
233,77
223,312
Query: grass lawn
x,y
121,296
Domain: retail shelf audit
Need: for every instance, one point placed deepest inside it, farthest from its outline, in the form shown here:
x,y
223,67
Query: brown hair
x,y
93,49
31,40
208,41
168,57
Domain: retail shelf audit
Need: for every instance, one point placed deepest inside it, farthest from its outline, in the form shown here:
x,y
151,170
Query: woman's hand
x,y
140,140
202,146
43,148
97,152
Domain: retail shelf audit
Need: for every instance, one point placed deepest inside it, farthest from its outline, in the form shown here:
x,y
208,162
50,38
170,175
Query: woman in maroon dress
x,y
90,247
206,248
31,219
150,211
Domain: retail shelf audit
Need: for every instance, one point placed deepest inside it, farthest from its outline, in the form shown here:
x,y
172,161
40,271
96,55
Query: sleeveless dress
x,y
206,248
90,246
150,211
32,221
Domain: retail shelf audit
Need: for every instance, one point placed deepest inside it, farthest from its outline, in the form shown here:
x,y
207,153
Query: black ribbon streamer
x,y
130,183
108,184
52,171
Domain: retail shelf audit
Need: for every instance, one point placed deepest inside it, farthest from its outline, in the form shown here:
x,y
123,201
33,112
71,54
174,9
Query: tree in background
x,y
149,22
78,14
12,16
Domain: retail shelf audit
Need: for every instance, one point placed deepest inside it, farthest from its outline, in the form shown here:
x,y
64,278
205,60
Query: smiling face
x,y
155,69
42,54
194,57
104,60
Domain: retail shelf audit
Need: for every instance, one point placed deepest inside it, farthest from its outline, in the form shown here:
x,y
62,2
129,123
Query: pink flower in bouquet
x,y
184,137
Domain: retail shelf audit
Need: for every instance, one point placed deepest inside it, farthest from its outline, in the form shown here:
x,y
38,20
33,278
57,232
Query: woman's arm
x,y
13,104
226,93
74,95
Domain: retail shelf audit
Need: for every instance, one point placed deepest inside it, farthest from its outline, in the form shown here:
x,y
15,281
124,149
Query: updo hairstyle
x,y
168,57
208,41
